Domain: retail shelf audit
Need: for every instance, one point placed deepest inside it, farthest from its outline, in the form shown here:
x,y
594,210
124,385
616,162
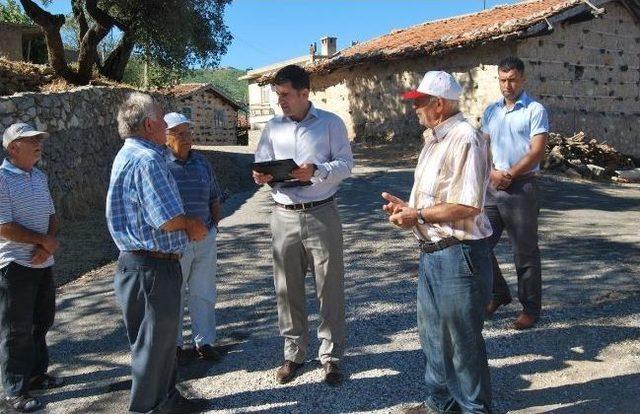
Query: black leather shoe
x,y
208,352
188,405
332,373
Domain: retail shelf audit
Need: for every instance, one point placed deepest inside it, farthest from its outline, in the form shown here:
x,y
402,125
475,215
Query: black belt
x,y
428,247
155,255
305,206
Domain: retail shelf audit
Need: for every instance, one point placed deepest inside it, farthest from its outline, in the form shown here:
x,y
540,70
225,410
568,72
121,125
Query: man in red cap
x,y
445,214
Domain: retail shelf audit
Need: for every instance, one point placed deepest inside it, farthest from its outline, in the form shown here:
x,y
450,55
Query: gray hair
x,y
133,111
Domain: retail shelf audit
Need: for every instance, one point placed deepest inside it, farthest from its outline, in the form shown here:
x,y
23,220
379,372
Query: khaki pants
x,y
302,240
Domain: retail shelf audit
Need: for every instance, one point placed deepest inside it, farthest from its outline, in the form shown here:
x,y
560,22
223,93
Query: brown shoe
x,y
494,304
332,373
524,321
419,409
287,371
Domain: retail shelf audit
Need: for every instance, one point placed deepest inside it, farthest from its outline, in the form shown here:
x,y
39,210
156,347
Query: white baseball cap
x,y
436,83
173,119
20,130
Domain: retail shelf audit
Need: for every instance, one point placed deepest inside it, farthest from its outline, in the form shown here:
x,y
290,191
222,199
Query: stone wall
x,y
210,128
585,72
11,44
588,75
84,140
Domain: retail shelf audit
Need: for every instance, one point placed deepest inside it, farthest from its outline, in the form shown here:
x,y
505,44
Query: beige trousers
x,y
309,240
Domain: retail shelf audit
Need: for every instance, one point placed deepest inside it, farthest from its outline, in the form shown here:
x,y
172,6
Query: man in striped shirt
x,y
146,220
200,195
28,242
445,212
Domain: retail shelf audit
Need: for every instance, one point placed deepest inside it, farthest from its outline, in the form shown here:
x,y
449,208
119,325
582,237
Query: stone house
x,y
20,41
262,100
582,61
213,112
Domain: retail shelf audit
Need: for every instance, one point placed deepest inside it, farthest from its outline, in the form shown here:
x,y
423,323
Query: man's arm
x,y
18,233
195,228
339,167
531,158
41,254
407,217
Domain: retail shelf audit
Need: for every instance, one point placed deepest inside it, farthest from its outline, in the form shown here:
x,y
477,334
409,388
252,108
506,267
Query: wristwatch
x,y
420,218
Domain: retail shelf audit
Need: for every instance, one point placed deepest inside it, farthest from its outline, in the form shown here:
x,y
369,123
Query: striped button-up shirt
x,y
24,200
197,185
142,197
453,168
321,139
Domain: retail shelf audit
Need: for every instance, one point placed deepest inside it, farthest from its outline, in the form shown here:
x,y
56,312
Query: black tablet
x,y
279,169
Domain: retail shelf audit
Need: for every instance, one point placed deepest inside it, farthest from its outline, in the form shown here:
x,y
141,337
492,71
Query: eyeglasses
x,y
423,101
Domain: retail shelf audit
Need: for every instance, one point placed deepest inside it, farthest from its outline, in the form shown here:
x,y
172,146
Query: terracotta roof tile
x,y
434,36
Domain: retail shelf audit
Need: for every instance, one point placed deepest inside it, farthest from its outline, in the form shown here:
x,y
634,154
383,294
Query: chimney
x,y
312,51
328,47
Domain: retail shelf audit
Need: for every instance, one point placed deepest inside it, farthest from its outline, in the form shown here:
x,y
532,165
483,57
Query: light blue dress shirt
x,y
511,130
321,139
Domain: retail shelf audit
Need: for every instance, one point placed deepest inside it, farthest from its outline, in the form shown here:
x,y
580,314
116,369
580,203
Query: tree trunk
x,y
51,25
117,60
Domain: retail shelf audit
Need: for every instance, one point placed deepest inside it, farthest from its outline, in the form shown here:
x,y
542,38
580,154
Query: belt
x,y
155,255
428,247
305,206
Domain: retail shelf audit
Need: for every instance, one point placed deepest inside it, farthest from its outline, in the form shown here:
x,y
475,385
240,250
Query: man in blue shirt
x,y
200,195
518,128
306,228
146,220
28,228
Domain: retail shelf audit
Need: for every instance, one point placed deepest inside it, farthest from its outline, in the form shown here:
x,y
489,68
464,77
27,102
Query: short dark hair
x,y
510,63
298,77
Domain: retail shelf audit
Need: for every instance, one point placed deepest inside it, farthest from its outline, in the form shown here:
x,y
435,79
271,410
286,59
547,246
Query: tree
x,y
12,13
174,34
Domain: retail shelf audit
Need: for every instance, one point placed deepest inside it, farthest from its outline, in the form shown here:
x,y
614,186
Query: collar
x,y
313,112
145,143
6,164
171,157
441,130
522,101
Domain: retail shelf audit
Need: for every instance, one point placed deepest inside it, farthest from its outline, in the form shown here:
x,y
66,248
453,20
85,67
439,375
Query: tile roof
x,y
184,90
460,31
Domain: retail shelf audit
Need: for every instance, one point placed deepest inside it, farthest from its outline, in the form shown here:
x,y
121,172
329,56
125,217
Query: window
x,y
186,111
218,118
265,91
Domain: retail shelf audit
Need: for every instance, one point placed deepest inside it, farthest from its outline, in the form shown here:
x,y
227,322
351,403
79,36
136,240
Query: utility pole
x,y
484,4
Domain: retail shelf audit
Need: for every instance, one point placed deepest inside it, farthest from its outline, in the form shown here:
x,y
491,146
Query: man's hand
x,y
40,255
501,180
195,228
261,178
405,217
49,243
394,203
304,172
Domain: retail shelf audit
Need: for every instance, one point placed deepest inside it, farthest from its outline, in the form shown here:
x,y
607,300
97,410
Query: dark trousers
x,y
148,291
516,211
27,309
454,288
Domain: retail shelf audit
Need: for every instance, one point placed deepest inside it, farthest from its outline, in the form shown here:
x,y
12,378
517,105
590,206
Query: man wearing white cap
x,y
200,195
28,242
445,213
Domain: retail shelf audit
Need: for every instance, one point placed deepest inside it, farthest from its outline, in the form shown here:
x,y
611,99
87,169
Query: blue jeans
x,y
148,291
454,288
27,309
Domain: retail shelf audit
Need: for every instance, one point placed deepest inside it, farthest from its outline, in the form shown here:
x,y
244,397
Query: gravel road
x,y
583,357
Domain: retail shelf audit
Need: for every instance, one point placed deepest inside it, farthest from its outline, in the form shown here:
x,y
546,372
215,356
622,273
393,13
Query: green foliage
x,y
11,12
225,79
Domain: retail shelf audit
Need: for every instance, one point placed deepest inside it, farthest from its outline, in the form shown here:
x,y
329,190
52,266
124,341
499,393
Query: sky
x,y
269,31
